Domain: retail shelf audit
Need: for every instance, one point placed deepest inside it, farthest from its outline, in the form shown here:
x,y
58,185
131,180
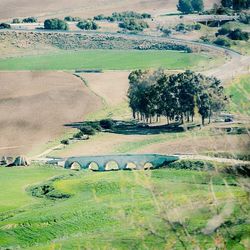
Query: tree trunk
x,y
203,120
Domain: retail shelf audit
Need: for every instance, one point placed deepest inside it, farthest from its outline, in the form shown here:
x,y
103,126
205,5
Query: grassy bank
x,y
122,210
109,60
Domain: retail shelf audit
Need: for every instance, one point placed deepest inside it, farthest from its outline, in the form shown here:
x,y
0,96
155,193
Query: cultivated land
x,y
35,106
191,204
110,60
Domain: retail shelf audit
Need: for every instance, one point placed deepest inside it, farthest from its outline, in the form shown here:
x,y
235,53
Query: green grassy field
x,y
239,91
160,209
110,60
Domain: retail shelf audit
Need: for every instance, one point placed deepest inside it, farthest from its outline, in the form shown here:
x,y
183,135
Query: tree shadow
x,y
134,127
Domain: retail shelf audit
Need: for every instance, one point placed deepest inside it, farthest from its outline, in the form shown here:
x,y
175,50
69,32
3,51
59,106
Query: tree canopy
x,y
189,6
55,24
174,96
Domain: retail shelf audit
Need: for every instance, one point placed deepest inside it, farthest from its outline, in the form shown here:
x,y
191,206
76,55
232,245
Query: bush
x,y
100,17
55,24
65,142
72,19
122,16
192,165
30,20
78,135
223,31
166,32
87,130
244,18
238,34
133,25
107,124
16,20
221,41
87,25
5,26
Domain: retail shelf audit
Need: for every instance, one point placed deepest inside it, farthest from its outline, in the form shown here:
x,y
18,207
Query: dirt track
x,y
35,106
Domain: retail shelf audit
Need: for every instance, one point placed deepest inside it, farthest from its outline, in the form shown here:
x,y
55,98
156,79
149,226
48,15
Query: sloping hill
x,y
84,8
35,106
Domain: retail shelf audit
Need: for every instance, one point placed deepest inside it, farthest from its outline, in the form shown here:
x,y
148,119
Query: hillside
x,y
85,8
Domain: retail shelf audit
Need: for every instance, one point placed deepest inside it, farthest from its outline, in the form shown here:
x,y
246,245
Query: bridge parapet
x,y
119,162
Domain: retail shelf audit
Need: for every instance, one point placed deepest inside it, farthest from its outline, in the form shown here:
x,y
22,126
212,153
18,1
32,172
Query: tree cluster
x,y
177,97
236,34
133,25
190,6
121,16
55,24
87,25
236,4
30,20
72,19
5,26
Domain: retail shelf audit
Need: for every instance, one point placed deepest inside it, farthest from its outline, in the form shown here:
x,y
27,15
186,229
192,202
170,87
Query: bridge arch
x,y
93,166
131,166
111,165
75,166
148,165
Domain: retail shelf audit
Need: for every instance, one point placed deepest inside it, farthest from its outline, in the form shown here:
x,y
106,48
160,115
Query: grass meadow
x,y
159,209
110,60
239,91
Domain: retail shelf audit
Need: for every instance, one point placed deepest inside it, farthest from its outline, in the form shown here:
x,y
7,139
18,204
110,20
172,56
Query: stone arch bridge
x,y
119,162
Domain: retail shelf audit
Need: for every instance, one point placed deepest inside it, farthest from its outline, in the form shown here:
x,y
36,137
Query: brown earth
x,y
84,8
112,86
35,106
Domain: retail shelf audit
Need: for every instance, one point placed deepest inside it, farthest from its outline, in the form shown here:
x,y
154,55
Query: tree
x,y
185,6
227,3
176,96
197,5
55,24
87,25
238,34
5,26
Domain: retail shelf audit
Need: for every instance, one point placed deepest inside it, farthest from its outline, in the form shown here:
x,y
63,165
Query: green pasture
x,y
159,209
239,91
110,60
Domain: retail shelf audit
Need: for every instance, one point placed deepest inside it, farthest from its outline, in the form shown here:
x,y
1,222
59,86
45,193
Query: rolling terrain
x,y
83,8
34,106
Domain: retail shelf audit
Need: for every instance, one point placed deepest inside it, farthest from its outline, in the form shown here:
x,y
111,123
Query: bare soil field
x,y
111,86
83,8
35,106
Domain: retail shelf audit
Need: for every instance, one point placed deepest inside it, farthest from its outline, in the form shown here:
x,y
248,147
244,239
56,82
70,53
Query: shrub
x,y
197,26
87,25
78,135
244,18
87,130
192,165
72,19
166,32
65,142
133,25
223,31
221,41
55,24
16,20
238,34
30,20
100,17
107,123
5,26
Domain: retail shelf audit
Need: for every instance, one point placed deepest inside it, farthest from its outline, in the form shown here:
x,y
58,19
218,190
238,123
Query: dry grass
x,y
83,8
